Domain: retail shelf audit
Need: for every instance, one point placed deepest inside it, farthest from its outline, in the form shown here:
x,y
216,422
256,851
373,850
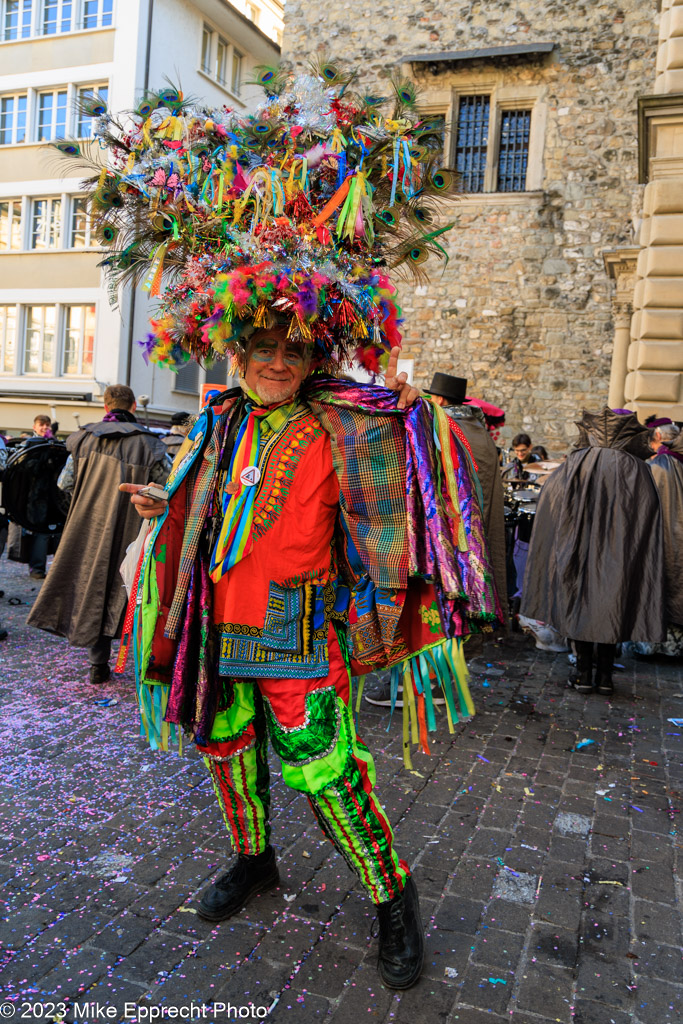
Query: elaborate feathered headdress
x,y
293,215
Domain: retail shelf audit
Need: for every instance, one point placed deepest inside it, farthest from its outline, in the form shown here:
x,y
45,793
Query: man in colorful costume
x,y
315,528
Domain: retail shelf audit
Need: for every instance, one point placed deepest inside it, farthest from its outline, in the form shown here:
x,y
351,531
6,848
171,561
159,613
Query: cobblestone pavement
x,y
544,838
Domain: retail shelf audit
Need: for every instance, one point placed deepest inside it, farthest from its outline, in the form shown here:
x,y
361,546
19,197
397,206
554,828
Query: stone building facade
x,y
524,307
654,362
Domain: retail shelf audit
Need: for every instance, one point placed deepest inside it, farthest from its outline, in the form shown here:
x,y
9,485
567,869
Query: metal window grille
x,y
472,141
513,153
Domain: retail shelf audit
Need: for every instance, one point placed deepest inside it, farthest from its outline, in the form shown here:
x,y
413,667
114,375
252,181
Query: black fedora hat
x,y
454,389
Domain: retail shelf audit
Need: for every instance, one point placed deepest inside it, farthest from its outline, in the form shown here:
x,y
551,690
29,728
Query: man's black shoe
x,y
582,682
248,876
401,939
603,683
99,674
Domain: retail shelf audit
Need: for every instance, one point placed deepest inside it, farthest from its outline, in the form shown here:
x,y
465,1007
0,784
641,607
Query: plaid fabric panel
x,y
368,453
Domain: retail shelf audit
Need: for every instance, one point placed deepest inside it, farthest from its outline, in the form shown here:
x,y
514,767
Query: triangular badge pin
x,y
250,476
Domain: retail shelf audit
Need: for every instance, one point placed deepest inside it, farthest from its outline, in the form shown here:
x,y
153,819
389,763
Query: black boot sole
x,y
265,885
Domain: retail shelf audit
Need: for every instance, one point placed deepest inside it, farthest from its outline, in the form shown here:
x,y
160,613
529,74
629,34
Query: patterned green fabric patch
x,y
317,735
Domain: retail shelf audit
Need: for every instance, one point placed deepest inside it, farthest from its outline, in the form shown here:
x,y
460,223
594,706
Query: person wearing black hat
x,y
180,428
451,394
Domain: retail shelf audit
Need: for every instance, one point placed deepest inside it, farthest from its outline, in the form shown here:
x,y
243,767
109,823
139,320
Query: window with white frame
x,y
17,16
56,16
84,122
79,225
207,39
10,224
23,19
236,76
491,142
46,223
79,340
96,13
12,119
39,339
222,48
220,60
253,13
8,338
51,119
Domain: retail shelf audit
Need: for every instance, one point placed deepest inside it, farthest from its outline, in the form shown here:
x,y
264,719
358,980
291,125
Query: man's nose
x,y
278,362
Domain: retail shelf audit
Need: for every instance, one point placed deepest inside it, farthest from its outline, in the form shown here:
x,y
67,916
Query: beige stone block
x,y
660,63
668,141
632,355
663,196
673,411
660,355
645,231
636,321
638,293
661,261
675,25
661,292
664,229
669,82
628,386
673,54
656,386
660,323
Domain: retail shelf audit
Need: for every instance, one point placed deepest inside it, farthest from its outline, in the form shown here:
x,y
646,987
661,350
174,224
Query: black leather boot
x,y
603,674
401,939
582,681
248,876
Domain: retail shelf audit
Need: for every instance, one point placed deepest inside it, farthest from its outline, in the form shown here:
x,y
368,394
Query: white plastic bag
x,y
133,552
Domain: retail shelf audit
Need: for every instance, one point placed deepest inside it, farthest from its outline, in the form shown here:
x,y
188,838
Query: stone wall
x,y
523,307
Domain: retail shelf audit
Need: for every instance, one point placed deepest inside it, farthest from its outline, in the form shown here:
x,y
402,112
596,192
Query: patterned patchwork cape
x,y
410,566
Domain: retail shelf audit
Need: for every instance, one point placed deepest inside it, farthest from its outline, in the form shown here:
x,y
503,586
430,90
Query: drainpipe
x,y
145,87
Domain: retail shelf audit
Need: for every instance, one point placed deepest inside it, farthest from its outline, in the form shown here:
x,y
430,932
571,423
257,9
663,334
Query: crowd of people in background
x,y
88,511
594,558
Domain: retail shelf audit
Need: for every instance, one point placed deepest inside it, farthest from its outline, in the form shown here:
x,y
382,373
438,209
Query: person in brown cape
x,y
83,597
595,569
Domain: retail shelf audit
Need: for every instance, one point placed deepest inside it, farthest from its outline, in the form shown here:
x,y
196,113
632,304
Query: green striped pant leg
x,y
237,759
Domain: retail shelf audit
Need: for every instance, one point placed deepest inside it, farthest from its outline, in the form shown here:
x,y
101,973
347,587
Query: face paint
x,y
275,368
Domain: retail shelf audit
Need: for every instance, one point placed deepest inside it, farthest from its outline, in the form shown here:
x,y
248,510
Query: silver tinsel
x,y
308,94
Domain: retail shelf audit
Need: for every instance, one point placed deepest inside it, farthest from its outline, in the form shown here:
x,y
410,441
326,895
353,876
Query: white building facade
x,y
61,342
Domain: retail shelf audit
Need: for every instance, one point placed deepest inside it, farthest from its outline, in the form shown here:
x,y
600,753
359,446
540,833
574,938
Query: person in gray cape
x,y
83,597
595,569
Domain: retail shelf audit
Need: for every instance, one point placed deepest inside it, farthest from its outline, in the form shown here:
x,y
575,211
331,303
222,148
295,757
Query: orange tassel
x,y
336,200
423,723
